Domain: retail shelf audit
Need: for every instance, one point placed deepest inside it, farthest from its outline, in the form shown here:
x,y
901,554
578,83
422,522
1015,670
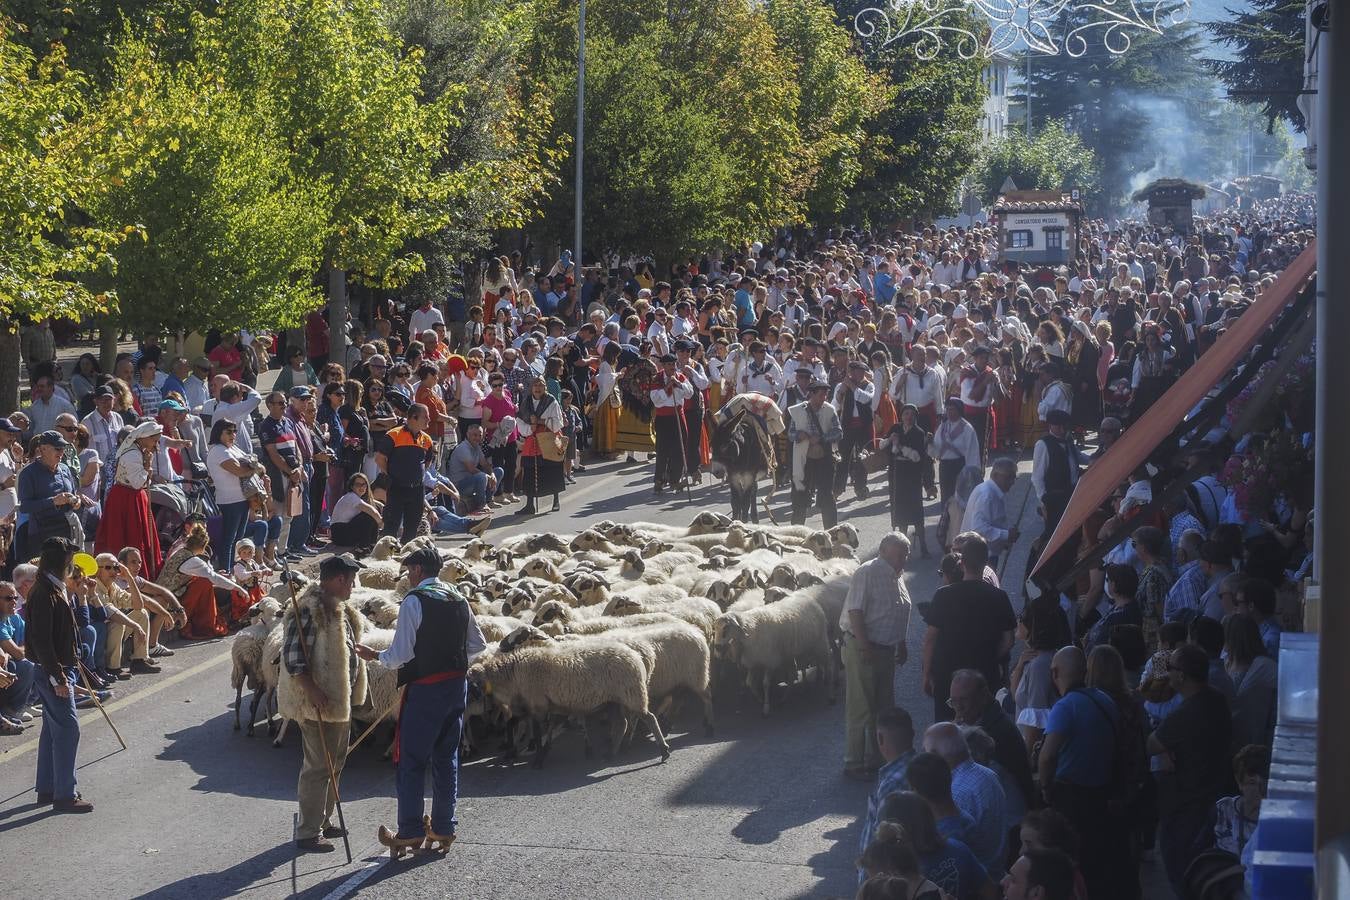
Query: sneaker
x,y
25,716
160,650
477,528
569,479
315,550
302,553
9,727
143,667
578,468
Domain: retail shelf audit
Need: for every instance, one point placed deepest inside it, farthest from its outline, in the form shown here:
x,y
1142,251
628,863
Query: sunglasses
x,y
107,567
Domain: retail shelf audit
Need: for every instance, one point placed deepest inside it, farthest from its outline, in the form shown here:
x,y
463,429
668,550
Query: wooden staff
x,y
323,741
84,676
365,734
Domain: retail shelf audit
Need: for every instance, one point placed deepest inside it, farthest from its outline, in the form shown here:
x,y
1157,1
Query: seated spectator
x,y
1196,739
187,574
895,742
1235,817
356,518
931,778
251,575
977,792
946,862
127,616
164,608
16,671
471,471
1041,875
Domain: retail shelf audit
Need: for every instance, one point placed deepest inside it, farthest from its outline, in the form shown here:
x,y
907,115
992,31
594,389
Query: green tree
x,y
1053,159
839,98
1267,40
691,124
233,235
60,151
496,141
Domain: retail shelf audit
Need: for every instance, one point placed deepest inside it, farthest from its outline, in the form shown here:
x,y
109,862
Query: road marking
x,y
354,881
92,714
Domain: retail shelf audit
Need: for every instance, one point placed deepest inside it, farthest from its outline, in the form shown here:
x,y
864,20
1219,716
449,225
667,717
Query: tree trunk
x,y
337,314
107,344
9,366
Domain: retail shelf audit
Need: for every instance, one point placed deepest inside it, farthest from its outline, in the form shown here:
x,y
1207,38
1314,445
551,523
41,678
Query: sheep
x,y
476,549
707,521
454,571
592,541
382,688
541,567
774,593
382,613
530,544
573,679
558,592
421,542
698,611
385,548
281,590
844,533
771,638
270,669
246,655
515,600
495,628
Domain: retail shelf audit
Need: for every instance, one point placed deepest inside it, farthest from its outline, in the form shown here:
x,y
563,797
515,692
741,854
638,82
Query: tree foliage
x,y
1140,112
60,152
1267,40
1054,159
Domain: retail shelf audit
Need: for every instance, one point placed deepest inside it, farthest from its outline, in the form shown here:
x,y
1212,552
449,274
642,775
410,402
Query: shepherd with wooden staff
x,y
322,678
435,639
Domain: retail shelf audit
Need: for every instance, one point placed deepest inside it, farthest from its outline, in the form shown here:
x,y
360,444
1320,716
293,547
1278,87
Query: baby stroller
x,y
174,502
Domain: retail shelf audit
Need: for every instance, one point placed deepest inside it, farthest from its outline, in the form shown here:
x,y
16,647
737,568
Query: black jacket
x,y
50,638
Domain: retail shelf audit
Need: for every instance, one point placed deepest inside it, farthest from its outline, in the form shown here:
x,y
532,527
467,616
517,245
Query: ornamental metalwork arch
x,y
1045,27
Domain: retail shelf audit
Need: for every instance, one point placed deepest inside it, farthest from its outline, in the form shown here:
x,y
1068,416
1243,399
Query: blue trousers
x,y
428,738
14,699
59,741
448,522
473,490
234,521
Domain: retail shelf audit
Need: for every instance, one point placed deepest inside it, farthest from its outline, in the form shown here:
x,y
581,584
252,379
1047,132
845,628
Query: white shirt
x,y
131,470
43,413
920,388
226,485
196,392
195,565
347,508
683,391
9,497
957,441
1056,396
103,433
990,391
471,392
424,320
987,515
765,378
240,413
402,648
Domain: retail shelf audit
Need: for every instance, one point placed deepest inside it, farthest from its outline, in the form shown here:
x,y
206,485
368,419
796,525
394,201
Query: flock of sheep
x,y
612,626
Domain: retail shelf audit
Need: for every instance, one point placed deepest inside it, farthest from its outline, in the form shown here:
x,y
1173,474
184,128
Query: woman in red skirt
x,y
127,519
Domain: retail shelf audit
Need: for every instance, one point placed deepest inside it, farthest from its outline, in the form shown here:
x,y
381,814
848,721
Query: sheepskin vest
x,y
329,663
442,642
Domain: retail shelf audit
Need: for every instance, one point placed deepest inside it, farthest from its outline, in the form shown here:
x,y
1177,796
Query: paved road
x,y
194,809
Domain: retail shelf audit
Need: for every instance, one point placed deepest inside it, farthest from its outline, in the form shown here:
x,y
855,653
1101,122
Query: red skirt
x,y
128,522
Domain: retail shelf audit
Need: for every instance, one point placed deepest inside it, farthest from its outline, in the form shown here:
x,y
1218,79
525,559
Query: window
x,y
1019,240
1054,239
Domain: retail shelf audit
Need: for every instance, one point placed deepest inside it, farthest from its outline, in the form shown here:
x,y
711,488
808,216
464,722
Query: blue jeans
x,y
428,736
89,643
14,699
98,662
295,541
234,521
59,741
448,522
473,490
263,531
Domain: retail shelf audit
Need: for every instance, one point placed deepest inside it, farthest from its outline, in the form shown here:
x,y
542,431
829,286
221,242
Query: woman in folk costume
x,y
188,575
1030,384
906,448
696,451
541,454
1081,358
635,417
884,415
127,518
605,413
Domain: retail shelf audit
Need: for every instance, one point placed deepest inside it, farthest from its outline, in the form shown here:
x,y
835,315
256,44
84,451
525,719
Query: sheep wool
x,y
329,663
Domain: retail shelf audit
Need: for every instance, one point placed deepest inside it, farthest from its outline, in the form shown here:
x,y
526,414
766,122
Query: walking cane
x,y
84,676
398,700
323,741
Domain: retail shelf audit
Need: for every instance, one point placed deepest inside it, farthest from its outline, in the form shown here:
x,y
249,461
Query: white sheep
x,y
570,679
382,612
381,682
386,547
495,628
246,655
778,637
698,611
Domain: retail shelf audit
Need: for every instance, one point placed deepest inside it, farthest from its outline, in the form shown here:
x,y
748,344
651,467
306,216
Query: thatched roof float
x,y
1169,190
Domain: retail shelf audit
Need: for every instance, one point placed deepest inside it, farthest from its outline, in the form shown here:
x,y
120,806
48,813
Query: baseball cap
x,y
103,391
7,425
52,439
170,403
301,392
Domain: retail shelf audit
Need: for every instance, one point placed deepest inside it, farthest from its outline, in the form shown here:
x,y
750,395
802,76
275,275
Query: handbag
x,y
295,500
552,446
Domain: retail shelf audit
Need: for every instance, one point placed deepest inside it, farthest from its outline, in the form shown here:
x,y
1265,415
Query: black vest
x,y
1057,471
442,643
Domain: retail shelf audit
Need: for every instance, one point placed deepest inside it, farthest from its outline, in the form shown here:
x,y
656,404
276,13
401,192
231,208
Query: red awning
x,y
1140,439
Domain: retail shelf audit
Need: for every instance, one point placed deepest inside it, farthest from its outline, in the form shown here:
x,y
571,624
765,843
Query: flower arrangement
x,y
1297,378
